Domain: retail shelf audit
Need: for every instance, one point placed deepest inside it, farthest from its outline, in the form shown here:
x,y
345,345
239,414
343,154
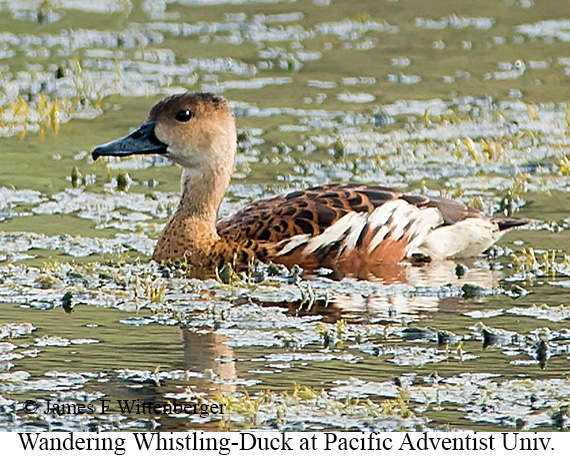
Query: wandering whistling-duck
x,y
354,229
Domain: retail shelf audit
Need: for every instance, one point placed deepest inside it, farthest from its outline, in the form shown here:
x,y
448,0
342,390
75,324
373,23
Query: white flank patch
x,y
353,235
331,235
423,224
337,231
294,243
402,217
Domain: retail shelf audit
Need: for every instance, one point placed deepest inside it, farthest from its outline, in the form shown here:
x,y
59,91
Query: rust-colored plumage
x,y
358,230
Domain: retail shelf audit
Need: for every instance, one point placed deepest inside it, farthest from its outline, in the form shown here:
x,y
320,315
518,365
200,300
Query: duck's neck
x,y
191,232
201,196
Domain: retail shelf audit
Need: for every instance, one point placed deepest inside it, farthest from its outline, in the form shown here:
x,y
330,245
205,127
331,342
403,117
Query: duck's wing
x,y
309,212
312,211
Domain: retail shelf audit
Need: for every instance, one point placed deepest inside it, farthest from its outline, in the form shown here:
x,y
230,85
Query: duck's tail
x,y
506,223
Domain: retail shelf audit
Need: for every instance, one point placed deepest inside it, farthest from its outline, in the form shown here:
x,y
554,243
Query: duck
x,y
354,229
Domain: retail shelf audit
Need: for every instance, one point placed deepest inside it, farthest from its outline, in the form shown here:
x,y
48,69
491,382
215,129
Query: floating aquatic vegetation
x,y
361,97
353,29
418,333
143,376
307,409
14,330
252,83
456,22
38,9
90,206
525,400
11,198
404,79
222,65
504,401
6,347
53,381
556,28
414,356
529,261
543,312
76,246
49,340
495,336
484,314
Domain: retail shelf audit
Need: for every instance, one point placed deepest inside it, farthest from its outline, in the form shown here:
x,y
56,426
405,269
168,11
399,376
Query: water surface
x,y
457,99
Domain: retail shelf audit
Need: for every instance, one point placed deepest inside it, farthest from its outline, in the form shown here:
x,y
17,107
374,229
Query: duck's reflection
x,y
430,287
207,352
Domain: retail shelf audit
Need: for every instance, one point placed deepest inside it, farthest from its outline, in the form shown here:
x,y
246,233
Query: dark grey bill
x,y
141,141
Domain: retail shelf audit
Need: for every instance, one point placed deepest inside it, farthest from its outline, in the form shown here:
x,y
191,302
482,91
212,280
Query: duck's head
x,y
195,130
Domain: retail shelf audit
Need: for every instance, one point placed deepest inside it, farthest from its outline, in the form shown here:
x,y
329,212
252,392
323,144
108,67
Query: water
x,y
455,99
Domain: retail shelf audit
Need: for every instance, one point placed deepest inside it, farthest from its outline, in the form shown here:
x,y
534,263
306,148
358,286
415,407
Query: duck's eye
x,y
183,115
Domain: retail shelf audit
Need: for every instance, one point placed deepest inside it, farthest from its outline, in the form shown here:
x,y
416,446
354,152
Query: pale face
x,y
199,131
195,130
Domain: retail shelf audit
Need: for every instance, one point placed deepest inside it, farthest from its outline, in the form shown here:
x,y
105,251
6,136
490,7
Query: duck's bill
x,y
141,141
